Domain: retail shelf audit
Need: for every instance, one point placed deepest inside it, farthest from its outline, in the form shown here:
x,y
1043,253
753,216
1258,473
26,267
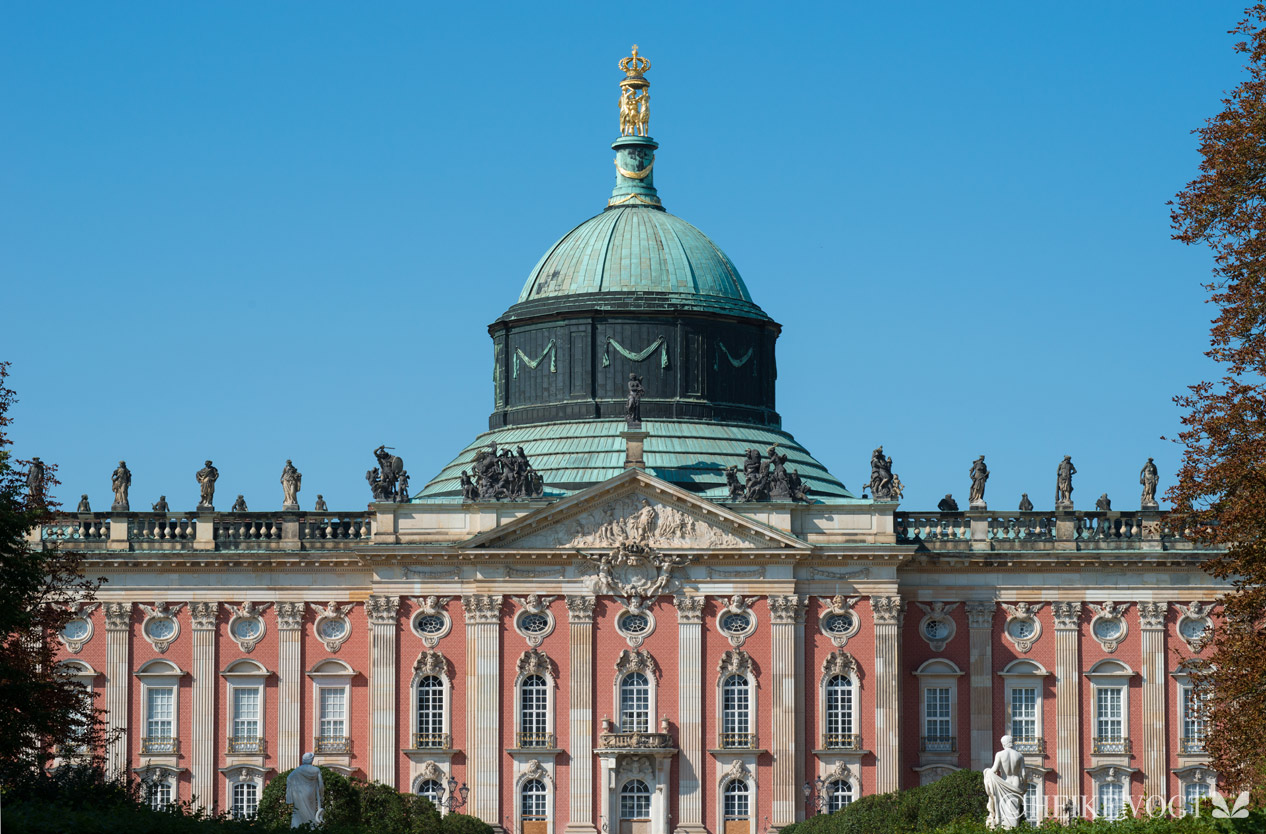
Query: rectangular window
x,y
1032,807
159,794
1024,713
937,730
159,717
245,800
246,712
1111,800
1194,796
1109,719
333,712
1193,725
839,712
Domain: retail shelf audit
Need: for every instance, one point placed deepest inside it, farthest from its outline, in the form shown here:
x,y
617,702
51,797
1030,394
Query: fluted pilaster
x,y
888,614
382,612
689,714
483,704
980,631
580,727
1152,622
1068,696
202,742
118,621
788,692
290,743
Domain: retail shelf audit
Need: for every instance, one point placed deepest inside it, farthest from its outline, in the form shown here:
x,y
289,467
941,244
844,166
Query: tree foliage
x,y
1220,494
44,710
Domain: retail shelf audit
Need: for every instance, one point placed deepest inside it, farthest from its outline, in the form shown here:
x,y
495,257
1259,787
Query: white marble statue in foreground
x,y
304,790
1005,783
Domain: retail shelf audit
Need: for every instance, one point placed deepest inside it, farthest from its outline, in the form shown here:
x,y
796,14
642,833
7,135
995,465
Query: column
x,y
689,714
118,623
1152,619
786,694
382,612
980,630
1068,697
580,719
483,704
887,612
202,742
290,744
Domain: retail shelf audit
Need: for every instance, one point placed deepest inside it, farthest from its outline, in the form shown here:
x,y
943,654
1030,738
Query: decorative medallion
x,y
736,620
246,626
160,626
937,626
79,629
1108,626
1022,627
534,621
431,622
1194,624
838,620
332,627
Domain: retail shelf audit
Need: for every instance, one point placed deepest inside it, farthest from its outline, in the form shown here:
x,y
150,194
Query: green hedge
x,y
958,796
1255,823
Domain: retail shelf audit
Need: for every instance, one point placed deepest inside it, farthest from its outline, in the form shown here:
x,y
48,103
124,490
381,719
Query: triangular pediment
x,y
636,508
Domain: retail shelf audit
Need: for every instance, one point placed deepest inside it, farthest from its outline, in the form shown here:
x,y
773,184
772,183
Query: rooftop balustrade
x,y
209,530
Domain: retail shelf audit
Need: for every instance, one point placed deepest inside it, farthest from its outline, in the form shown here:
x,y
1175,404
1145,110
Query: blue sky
x,y
259,231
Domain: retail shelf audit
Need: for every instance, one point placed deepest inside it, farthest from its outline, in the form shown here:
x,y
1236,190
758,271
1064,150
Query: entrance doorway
x,y
635,808
533,818
736,808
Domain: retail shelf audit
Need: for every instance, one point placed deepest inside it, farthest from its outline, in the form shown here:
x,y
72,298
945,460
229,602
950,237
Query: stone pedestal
x,y
634,440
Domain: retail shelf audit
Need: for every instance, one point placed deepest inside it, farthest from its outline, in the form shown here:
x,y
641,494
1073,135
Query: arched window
x,y
245,800
736,804
532,800
839,712
534,712
838,794
635,704
736,712
431,789
430,712
635,801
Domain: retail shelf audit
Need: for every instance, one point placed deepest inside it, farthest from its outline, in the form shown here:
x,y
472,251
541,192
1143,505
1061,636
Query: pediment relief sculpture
x,y
632,519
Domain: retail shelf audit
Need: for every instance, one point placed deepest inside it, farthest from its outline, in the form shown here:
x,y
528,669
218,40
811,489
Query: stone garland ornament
x,y
736,620
1108,625
246,626
1195,624
736,363
431,621
766,480
534,621
937,626
501,475
332,627
160,626
838,621
551,350
660,343
1022,627
79,629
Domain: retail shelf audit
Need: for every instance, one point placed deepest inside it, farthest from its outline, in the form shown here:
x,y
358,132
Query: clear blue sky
x,y
256,231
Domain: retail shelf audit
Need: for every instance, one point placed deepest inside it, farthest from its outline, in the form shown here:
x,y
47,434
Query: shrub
x,y
424,817
383,809
464,824
341,800
959,796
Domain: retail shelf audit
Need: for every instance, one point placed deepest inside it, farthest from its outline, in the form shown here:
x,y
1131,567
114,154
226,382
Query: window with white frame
x,y
1032,804
736,800
158,792
1193,722
532,800
159,712
635,800
736,712
534,712
1194,796
635,703
246,717
333,712
839,712
1111,801
245,800
839,793
1024,713
431,789
938,719
1110,700
430,693
1109,715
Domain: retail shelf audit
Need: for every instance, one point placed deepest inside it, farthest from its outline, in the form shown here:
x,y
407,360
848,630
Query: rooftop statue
x,y
635,93
979,475
1149,478
402,487
160,506
389,468
1104,504
501,475
733,484
35,478
83,504
881,477
767,480
320,504
207,476
239,506
119,482
1026,506
469,491
291,480
374,477
1064,483
947,504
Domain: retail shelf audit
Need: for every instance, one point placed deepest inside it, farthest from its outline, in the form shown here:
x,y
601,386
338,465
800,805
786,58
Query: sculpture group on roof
x,y
766,479
501,475
388,481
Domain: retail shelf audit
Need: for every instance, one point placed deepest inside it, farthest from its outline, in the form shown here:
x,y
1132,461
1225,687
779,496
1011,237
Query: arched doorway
x,y
533,818
736,808
635,808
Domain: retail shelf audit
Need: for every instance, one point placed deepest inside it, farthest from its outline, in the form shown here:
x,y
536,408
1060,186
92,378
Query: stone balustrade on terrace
x,y
1037,530
210,531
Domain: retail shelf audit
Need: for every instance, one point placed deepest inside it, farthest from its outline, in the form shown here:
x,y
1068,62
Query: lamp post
x,y
455,797
815,795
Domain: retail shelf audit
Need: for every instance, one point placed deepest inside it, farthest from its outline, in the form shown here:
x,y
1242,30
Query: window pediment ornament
x,y
536,770
887,610
737,770
118,616
431,771
535,662
289,615
839,662
735,662
431,663
839,773
160,626
1067,615
246,626
79,629
580,609
636,661
1152,615
382,610
689,609
1022,627
204,615
1108,625
937,626
1194,624
332,627
786,608
482,609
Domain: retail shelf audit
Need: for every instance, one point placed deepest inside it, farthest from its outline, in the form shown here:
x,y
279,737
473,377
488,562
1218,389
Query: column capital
x,y
786,608
382,610
1152,615
580,609
980,614
204,615
289,616
482,609
689,610
888,610
1067,615
118,616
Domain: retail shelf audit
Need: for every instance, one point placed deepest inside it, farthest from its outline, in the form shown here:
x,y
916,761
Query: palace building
x,y
636,604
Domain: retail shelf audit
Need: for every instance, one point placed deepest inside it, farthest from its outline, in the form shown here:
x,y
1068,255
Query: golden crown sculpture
x,y
636,65
635,112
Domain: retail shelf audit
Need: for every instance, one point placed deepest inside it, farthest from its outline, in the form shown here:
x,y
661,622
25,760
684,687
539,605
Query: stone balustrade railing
x,y
984,529
209,531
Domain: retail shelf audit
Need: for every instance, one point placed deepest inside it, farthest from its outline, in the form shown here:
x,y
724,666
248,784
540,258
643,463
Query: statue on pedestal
x,y
320,504
239,506
947,504
1005,784
305,791
207,476
160,506
35,478
83,504
633,409
119,482
1149,478
1026,506
389,468
291,481
979,474
881,476
1064,483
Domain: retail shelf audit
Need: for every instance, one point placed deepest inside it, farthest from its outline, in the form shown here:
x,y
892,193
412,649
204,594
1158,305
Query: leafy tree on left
x,y
43,712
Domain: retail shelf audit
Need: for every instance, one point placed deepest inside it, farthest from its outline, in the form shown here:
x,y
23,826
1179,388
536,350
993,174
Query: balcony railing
x,y
1029,744
246,744
432,741
1191,745
842,741
333,744
938,744
1110,745
523,740
635,741
159,745
737,741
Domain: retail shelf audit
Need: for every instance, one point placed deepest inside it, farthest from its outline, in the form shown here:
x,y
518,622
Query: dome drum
x,y
577,368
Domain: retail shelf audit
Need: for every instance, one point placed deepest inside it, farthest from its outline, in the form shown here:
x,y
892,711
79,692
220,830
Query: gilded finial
x,y
635,96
